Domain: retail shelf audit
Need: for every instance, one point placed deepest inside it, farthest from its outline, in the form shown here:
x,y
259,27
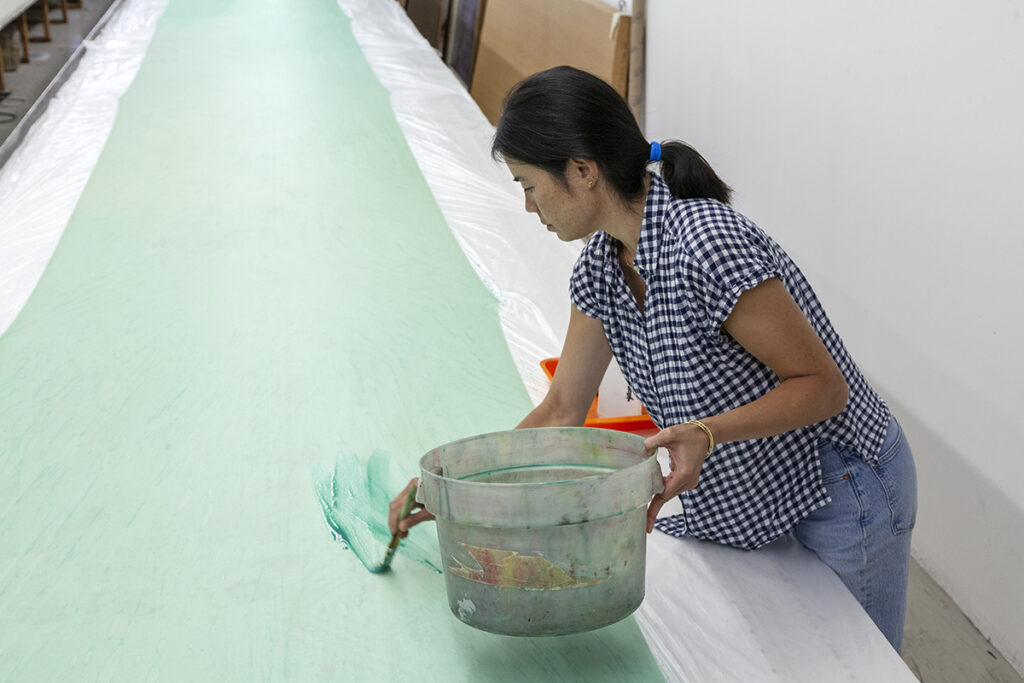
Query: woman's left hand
x,y
687,446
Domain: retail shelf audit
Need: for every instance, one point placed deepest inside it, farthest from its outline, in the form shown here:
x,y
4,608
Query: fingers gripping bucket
x,y
542,531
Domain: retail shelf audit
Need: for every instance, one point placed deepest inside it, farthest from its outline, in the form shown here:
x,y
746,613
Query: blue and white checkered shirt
x,y
696,257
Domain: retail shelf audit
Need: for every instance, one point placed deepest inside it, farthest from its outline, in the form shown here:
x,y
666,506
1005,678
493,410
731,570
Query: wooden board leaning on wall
x,y
521,37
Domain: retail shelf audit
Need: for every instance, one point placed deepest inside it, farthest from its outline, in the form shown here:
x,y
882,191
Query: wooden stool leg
x,y
46,24
24,37
64,13
46,19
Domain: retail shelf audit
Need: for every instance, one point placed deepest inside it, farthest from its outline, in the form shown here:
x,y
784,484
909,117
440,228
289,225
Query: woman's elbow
x,y
568,415
837,394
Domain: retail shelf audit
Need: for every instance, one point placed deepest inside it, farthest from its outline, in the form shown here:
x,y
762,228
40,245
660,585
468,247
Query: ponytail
x,y
564,113
688,175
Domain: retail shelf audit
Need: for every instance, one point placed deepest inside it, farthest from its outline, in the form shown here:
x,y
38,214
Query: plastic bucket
x,y
542,531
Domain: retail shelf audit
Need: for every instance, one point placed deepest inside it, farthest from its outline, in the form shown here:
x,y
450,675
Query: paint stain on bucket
x,y
354,501
510,569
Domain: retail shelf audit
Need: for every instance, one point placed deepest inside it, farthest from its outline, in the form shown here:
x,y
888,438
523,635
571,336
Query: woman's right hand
x,y
418,514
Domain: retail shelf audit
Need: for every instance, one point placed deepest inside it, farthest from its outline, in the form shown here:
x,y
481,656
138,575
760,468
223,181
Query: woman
x,y
769,424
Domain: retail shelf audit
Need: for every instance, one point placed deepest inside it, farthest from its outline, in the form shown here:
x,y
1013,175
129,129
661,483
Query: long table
x,y
257,278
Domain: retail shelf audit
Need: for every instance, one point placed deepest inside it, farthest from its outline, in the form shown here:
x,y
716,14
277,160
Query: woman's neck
x,y
624,221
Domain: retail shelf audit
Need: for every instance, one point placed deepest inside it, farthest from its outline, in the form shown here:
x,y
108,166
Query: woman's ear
x,y
582,171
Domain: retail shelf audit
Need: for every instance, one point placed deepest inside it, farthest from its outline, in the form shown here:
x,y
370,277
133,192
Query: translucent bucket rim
x,y
636,477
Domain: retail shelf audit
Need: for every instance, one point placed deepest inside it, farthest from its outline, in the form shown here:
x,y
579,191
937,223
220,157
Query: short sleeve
x,y
585,280
727,256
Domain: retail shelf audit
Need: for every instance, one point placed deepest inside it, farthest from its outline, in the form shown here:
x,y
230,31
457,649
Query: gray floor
x,y
940,643
27,83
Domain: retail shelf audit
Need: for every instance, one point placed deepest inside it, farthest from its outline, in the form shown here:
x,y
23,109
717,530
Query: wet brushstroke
x,y
354,501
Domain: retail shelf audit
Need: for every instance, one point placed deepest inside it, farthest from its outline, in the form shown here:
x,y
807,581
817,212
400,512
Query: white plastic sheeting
x,y
41,182
777,614
711,613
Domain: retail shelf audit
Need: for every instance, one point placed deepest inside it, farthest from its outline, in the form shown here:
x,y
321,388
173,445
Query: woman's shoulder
x,y
588,283
700,226
688,216
596,249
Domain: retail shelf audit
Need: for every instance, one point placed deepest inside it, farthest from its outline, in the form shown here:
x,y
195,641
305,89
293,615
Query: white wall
x,y
882,143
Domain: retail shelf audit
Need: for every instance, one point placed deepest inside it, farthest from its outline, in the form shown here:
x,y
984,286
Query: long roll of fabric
x,y
256,280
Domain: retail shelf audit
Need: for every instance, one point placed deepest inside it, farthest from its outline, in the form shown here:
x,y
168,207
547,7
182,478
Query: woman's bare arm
x,y
768,324
584,359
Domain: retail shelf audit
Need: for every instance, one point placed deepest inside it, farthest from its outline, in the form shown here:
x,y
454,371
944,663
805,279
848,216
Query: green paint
x,y
354,501
255,279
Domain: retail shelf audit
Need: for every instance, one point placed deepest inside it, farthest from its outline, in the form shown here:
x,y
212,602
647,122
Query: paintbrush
x,y
352,497
396,539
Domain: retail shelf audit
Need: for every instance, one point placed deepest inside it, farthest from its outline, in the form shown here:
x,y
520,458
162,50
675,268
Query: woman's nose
x,y
531,206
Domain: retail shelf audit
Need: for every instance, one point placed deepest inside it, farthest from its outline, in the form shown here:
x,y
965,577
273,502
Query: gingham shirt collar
x,y
648,248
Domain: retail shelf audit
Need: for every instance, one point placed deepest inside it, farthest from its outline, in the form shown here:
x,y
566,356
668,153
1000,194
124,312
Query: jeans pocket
x,y
898,477
833,467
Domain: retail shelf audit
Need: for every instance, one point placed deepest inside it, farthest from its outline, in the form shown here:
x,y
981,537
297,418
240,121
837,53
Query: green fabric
x,y
255,280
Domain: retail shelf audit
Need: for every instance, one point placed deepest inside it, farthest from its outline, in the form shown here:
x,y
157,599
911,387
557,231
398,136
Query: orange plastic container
x,y
637,424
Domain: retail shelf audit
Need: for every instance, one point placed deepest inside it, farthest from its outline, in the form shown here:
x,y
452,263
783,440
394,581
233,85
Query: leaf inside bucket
x,y
354,501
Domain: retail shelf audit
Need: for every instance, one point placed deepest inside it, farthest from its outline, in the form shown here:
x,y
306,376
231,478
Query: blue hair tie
x,y
655,152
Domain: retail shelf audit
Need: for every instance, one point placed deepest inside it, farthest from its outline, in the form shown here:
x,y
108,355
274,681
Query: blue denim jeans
x,y
864,533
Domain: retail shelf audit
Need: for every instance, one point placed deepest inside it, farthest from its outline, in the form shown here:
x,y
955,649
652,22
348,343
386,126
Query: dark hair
x,y
564,113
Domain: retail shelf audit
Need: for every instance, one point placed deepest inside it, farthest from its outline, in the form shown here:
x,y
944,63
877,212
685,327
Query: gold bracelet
x,y
711,439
